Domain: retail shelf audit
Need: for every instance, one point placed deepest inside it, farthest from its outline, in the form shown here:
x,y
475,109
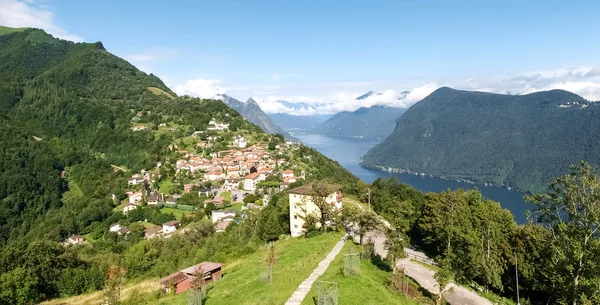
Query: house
x,y
128,208
252,180
153,199
216,201
288,173
139,128
172,200
214,125
170,227
289,180
204,191
180,281
152,232
136,179
123,231
75,240
231,184
114,227
214,176
301,205
219,215
222,225
134,198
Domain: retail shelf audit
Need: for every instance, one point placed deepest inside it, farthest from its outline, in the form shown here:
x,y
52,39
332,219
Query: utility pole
x,y
517,274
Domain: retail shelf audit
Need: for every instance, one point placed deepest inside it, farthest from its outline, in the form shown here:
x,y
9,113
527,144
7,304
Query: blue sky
x,y
328,52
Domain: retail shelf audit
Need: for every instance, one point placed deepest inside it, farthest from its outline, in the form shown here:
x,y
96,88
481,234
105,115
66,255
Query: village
x,y
225,183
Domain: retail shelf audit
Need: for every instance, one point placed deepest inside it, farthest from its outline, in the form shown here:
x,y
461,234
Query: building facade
x,y
301,205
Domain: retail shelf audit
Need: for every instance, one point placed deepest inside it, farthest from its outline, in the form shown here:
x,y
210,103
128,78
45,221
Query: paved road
x,y
302,290
454,294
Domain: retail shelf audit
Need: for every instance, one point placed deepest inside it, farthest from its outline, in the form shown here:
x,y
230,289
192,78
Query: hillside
x,y
374,122
298,124
252,112
78,124
518,141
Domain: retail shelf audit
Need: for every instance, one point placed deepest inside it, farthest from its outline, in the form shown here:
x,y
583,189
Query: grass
x,y
495,299
128,291
7,30
74,192
296,259
166,186
148,225
237,207
227,196
176,212
426,265
354,202
158,91
370,287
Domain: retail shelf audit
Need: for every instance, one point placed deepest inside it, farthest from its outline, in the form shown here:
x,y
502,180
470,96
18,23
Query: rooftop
x,y
307,189
206,267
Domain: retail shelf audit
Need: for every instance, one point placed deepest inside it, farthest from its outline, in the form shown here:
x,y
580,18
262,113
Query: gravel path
x,y
302,290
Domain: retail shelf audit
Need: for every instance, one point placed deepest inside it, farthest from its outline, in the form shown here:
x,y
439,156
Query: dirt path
x,y
302,290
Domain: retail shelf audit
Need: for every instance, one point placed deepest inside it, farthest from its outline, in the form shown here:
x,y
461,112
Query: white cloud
x,y
15,13
584,81
202,88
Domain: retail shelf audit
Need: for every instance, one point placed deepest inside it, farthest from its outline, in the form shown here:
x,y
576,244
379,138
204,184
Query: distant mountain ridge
x,y
298,124
519,141
254,114
375,122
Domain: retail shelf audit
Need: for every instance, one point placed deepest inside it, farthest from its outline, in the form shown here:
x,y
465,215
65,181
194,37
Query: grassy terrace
x,y
370,287
176,212
296,259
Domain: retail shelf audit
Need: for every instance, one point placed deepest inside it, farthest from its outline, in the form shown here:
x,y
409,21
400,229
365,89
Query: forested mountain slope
x,y
76,122
520,141
374,122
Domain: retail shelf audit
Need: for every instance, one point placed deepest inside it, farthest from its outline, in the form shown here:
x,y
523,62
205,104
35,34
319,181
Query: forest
x,y
516,141
478,244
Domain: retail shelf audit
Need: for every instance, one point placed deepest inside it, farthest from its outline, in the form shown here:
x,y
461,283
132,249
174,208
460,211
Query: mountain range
x,y
298,124
518,141
254,114
375,122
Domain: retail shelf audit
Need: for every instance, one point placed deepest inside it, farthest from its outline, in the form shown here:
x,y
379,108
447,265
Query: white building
x,y
213,125
219,215
114,227
134,198
128,208
301,205
252,180
171,226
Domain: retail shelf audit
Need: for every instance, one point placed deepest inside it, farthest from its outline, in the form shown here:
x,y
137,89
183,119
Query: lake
x,y
349,151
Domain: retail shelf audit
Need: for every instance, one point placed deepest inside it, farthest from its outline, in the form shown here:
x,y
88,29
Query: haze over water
x,y
349,151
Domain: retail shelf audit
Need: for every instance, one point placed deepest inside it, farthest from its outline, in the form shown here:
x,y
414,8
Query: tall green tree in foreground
x,y
570,212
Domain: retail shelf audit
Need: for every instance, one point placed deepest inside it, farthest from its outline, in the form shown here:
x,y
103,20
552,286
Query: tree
x,y
250,198
18,286
271,260
269,226
319,192
197,287
443,276
115,276
570,212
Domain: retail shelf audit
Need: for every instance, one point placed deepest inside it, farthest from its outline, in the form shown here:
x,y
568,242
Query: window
x,y
295,226
295,216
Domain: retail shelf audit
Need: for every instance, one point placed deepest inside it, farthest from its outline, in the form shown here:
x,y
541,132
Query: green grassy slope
x,y
7,30
370,287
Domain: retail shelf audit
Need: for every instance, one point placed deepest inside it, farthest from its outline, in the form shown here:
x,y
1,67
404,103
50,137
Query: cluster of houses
x,y
156,231
230,166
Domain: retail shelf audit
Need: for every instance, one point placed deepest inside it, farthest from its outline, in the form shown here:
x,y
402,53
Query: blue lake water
x,y
349,151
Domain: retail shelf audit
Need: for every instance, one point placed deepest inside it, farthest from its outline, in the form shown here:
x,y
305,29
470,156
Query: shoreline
x,y
393,170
